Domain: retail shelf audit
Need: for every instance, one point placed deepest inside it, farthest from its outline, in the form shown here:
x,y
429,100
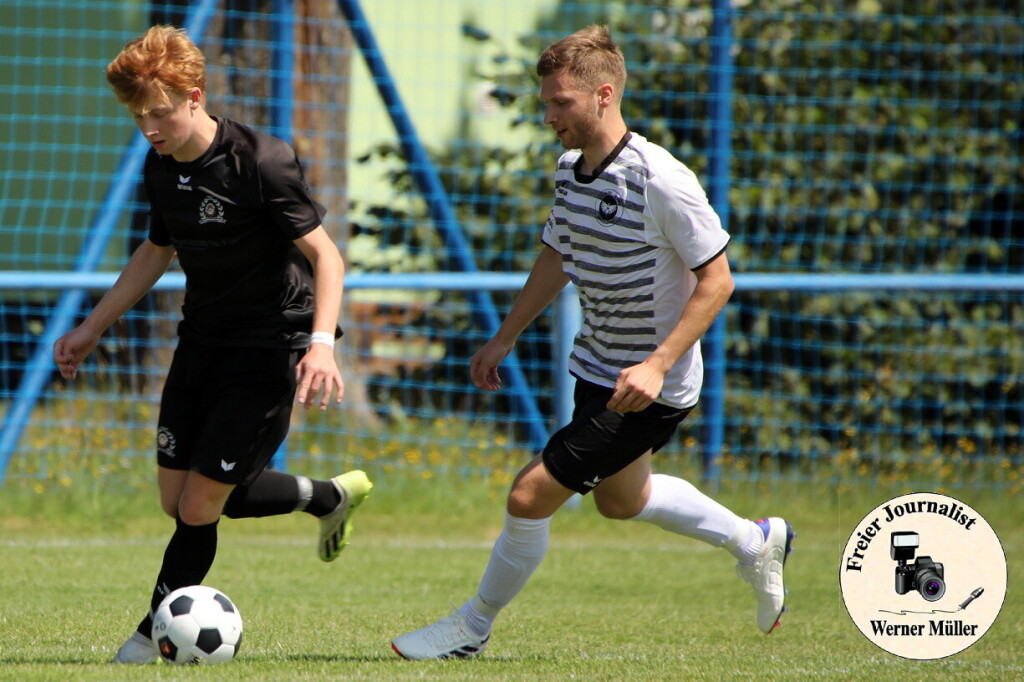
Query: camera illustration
x,y
923,575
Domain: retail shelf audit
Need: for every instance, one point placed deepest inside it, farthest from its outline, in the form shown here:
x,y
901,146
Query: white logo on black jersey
x,y
227,466
609,208
183,182
211,211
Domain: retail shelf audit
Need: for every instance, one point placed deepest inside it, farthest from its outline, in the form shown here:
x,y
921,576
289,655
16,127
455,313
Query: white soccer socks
x,y
674,505
678,507
517,553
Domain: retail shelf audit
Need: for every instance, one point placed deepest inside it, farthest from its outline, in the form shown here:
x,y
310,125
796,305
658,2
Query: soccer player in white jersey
x,y
633,230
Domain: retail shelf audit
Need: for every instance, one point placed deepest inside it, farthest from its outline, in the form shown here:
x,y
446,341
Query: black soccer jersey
x,y
232,215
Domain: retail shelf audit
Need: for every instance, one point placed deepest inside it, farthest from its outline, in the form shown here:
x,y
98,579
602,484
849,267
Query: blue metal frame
x,y
443,215
282,68
422,169
282,90
75,285
713,344
12,280
568,319
118,195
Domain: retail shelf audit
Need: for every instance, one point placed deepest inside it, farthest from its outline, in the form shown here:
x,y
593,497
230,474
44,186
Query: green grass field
x,y
612,601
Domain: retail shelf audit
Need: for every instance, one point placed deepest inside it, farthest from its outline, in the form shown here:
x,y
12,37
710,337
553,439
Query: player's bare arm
x,y
542,286
141,272
317,373
640,385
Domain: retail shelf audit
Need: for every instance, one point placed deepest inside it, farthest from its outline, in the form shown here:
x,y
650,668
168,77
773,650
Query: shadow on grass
x,y
267,659
388,657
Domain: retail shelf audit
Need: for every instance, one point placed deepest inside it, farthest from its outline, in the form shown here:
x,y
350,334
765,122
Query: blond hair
x,y
590,58
152,68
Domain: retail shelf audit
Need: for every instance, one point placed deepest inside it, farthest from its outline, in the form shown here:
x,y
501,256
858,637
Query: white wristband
x,y
325,338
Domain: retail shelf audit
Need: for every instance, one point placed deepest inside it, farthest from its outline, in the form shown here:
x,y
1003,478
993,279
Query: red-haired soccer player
x,y
633,230
263,291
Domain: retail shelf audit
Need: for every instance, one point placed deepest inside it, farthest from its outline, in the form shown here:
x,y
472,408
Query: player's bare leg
x,y
624,494
535,493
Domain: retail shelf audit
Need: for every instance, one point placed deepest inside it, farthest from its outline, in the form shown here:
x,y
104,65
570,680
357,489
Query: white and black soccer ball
x,y
197,624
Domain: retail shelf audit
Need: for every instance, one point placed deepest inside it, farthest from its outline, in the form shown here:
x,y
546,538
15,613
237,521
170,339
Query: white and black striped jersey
x,y
630,236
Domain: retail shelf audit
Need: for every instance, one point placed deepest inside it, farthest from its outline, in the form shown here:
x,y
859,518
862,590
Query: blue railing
x,y
79,283
567,313
718,194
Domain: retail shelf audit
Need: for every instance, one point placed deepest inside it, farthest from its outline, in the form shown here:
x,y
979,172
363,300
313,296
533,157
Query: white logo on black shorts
x,y
165,442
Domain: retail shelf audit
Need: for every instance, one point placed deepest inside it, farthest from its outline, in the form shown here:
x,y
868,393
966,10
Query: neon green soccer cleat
x,y
336,526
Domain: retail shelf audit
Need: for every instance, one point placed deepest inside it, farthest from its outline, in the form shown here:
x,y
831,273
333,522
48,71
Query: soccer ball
x,y
197,624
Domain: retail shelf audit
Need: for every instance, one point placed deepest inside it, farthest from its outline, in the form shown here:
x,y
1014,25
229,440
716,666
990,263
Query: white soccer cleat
x,y
449,637
765,574
336,526
137,649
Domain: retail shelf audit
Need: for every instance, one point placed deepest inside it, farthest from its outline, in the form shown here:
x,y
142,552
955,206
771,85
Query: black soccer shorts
x,y
598,442
225,411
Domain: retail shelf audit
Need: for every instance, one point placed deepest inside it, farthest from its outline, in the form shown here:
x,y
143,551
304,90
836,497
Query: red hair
x,y
152,68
